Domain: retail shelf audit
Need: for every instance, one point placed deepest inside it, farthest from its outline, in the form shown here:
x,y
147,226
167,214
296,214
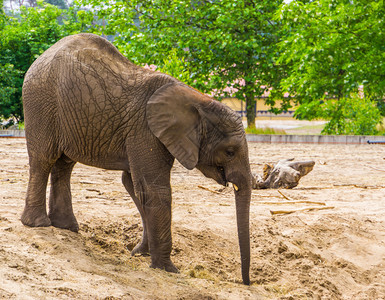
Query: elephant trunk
x,y
242,183
242,202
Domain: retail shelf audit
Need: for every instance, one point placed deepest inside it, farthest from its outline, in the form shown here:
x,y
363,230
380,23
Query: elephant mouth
x,y
223,179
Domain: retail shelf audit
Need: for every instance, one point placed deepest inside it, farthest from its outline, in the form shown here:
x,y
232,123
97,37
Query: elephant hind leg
x,y
60,199
35,212
141,248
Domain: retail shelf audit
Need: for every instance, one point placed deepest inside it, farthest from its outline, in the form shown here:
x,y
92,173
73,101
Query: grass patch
x,y
264,130
200,272
307,130
278,290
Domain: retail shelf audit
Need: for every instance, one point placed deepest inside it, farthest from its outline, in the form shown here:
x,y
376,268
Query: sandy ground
x,y
336,253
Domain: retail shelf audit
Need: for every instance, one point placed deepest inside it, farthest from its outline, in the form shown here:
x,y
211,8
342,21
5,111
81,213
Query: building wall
x,y
262,109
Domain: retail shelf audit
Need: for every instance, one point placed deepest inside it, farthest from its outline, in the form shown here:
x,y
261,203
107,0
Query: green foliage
x,y
221,43
2,15
381,127
10,87
23,38
175,66
350,116
20,125
332,49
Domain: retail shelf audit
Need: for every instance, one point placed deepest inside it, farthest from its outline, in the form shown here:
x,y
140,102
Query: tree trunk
x,y
251,107
285,174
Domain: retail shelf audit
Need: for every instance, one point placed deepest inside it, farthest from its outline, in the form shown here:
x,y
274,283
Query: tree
x,y
334,51
223,43
22,40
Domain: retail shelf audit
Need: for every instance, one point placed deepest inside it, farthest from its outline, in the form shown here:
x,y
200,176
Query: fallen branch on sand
x,y
286,212
291,202
207,189
360,186
284,196
266,196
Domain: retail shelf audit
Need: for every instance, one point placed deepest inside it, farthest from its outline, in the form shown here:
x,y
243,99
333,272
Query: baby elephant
x,y
85,102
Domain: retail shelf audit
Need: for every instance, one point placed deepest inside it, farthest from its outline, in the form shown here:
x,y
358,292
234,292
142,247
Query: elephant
x,y
85,102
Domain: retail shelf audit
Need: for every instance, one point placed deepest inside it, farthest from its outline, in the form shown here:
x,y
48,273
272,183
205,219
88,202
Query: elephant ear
x,y
173,118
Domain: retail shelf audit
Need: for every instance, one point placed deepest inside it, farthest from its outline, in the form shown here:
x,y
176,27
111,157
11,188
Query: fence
x,y
314,139
12,133
275,138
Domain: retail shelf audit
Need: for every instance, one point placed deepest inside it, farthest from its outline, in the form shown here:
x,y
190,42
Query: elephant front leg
x,y
151,186
158,219
155,202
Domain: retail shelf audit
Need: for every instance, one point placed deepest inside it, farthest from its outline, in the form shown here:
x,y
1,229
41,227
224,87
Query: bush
x,y
351,116
10,88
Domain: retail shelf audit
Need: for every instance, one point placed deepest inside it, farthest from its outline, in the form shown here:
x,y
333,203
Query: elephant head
x,y
203,133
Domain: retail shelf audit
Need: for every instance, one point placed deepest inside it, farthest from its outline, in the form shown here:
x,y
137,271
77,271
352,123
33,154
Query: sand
x,y
334,253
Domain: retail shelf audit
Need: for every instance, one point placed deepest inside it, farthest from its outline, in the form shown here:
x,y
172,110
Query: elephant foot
x,y
64,222
141,249
35,216
167,266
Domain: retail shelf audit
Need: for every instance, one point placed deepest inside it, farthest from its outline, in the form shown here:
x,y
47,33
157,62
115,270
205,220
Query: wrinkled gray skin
x,y
285,174
84,102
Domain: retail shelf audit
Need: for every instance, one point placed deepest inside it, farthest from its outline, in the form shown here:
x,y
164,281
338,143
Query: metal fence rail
x,y
275,138
12,133
315,139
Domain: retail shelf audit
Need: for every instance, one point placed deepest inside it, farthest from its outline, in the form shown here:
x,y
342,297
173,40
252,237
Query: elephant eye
x,y
230,152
